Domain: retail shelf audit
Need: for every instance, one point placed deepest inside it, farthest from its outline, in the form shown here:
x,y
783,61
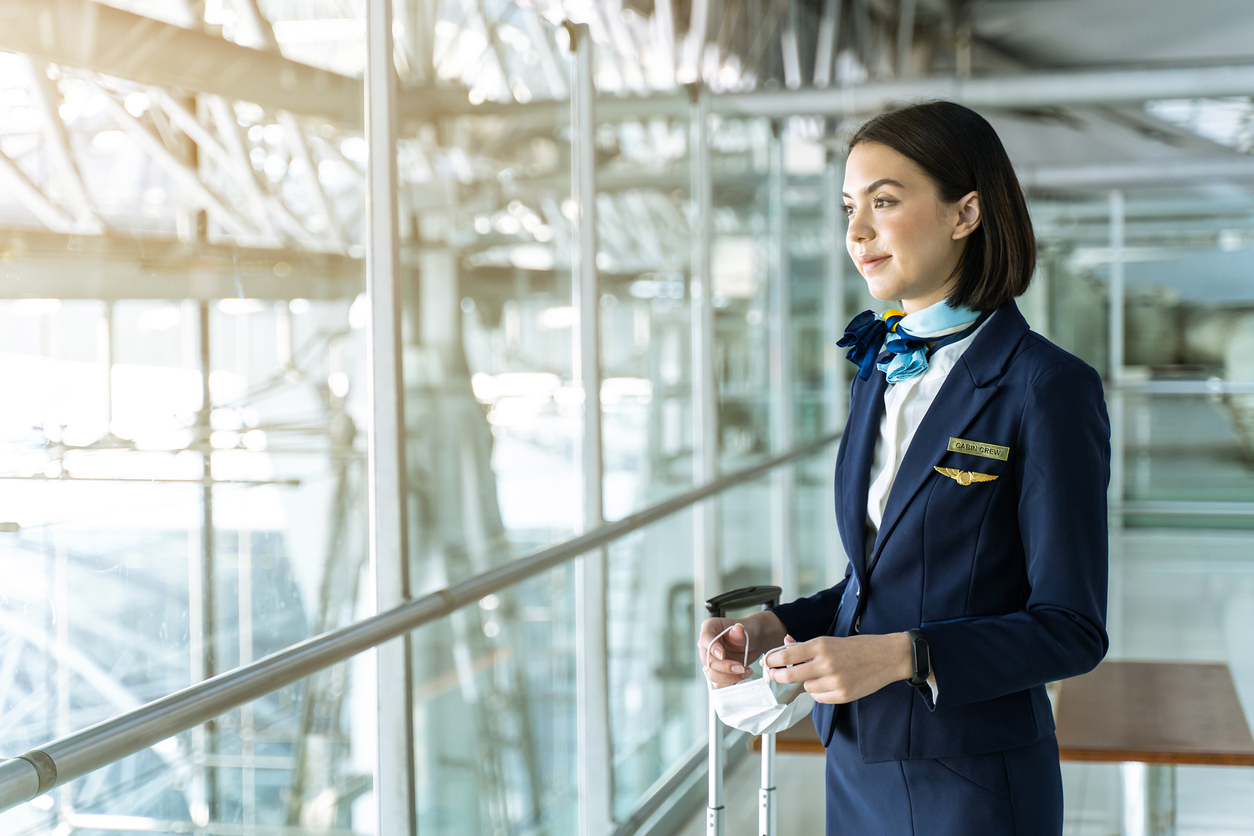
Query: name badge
x,y
979,448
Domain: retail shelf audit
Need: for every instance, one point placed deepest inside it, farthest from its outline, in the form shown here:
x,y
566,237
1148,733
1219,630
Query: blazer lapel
x,y
968,388
866,411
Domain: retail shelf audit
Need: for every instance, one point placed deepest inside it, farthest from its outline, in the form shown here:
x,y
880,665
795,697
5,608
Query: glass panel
x,y
741,265
646,394
182,429
494,716
1187,384
745,536
820,556
643,233
492,410
1188,448
300,756
655,716
809,240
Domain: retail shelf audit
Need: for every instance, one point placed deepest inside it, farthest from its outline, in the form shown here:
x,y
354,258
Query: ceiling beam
x,y
1018,91
1139,173
93,36
38,264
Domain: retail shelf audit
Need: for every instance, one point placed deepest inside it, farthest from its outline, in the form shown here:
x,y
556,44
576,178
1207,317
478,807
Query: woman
x,y
971,499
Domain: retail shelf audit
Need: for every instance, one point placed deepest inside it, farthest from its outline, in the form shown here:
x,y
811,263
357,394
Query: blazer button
x,y
857,593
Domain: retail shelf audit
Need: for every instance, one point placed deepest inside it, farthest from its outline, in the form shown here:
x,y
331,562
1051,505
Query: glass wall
x,y
182,351
183,494
656,717
183,337
1179,394
494,713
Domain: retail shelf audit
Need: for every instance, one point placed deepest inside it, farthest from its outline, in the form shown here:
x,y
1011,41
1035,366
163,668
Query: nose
x,y
859,228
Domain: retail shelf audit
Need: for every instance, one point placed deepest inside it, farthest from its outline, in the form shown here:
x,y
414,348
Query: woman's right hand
x,y
727,656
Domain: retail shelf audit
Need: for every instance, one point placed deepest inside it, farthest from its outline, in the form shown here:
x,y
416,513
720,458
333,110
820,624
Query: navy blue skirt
x,y
1016,792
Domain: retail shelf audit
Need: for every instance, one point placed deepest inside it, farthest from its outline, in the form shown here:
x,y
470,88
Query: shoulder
x,y
1041,365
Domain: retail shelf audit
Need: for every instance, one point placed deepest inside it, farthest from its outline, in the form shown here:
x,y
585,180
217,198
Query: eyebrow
x,y
883,181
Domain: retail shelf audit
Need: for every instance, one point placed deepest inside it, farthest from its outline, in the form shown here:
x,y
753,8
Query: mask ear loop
x,y
710,647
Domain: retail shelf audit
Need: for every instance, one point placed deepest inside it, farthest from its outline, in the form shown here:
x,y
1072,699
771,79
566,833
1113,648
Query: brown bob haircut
x,y
960,152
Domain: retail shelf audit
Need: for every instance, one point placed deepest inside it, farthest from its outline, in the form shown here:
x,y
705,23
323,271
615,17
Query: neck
x,y
926,301
915,305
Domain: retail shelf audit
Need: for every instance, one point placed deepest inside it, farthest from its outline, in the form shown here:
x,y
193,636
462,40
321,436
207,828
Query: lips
x,y
870,262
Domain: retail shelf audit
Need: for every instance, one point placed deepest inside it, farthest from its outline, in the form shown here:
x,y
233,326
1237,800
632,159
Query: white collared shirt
x,y
905,405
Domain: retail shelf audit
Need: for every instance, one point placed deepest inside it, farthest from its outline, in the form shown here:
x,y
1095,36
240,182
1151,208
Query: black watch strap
x,y
922,658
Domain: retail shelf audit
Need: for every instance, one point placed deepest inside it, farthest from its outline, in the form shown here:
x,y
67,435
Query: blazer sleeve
x,y
1062,471
809,618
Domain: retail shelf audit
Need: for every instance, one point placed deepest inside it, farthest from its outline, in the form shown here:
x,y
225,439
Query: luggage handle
x,y
748,596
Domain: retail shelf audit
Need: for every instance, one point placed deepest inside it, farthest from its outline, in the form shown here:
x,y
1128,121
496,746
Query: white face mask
x,y
754,705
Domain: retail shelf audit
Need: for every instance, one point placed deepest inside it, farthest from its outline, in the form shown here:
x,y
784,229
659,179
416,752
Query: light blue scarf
x,y
908,335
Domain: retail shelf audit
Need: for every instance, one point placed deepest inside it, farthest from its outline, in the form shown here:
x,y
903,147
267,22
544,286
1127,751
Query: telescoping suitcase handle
x,y
749,596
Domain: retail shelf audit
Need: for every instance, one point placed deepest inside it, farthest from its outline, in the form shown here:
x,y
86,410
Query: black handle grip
x,y
749,596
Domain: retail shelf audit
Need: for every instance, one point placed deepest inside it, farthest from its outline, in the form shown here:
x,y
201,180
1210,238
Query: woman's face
x,y
905,240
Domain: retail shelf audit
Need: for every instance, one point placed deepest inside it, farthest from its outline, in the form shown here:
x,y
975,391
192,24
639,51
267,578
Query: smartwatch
x,y
922,658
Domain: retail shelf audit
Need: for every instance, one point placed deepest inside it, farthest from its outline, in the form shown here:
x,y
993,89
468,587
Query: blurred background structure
x,y
612,232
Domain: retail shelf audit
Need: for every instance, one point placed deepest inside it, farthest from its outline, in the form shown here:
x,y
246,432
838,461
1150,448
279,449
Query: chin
x,y
885,292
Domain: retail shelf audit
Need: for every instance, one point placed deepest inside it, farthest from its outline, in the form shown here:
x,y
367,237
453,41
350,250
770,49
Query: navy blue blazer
x,y
1006,578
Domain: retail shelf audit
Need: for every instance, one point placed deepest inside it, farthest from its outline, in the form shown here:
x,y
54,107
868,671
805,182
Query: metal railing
x,y
36,772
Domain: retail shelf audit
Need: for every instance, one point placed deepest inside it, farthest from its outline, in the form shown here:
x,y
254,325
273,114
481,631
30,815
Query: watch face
x,y
921,656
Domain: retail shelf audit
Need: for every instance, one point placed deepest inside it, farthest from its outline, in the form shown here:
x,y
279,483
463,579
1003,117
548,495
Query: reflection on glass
x,y
1187,448
493,407
745,537
651,619
1186,387
645,395
820,555
494,713
157,539
742,275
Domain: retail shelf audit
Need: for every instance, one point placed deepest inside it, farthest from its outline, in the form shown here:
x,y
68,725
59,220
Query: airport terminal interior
x,y
518,319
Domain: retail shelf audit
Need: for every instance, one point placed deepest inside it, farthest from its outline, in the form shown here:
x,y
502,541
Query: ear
x,y
968,215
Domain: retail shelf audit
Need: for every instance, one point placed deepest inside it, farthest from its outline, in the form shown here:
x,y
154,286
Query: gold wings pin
x,y
965,477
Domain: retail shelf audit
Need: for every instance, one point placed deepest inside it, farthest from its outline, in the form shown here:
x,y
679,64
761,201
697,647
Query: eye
x,y
881,202
847,209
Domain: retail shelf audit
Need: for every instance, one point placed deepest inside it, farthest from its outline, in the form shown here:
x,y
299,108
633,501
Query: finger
x,y
802,672
737,637
728,666
827,695
792,654
789,640
722,678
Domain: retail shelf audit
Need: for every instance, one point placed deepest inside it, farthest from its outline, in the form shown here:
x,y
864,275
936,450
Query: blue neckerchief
x,y
886,358
905,336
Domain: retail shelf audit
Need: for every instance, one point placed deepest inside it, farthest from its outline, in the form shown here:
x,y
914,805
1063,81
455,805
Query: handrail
x,y
36,772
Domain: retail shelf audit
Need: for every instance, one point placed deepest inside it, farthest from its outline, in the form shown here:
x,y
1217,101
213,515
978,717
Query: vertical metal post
x,y
591,644
766,792
62,610
1149,799
208,556
394,787
244,610
1115,353
905,37
1115,404
836,389
247,716
704,415
783,389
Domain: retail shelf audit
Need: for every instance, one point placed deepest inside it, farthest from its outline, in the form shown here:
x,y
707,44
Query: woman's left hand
x,y
841,670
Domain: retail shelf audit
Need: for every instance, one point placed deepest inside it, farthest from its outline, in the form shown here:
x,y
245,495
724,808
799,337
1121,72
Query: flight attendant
x,y
971,499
